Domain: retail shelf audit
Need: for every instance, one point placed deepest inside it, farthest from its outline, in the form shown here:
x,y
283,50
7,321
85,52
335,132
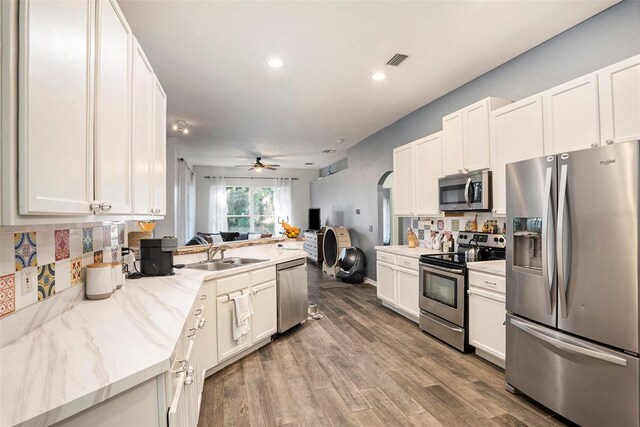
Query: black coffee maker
x,y
156,256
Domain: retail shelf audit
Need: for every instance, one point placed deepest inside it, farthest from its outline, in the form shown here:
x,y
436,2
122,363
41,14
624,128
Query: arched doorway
x,y
386,231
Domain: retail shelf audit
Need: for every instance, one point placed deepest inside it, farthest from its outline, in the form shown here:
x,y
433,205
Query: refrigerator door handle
x,y
571,348
548,255
466,192
562,237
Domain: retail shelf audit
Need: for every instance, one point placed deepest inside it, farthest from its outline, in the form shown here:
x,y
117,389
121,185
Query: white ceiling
x,y
211,59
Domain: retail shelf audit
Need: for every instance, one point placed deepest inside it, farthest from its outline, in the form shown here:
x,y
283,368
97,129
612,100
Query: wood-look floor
x,y
362,365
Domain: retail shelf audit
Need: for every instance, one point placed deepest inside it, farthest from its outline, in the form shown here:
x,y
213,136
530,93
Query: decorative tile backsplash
x,y
425,226
39,262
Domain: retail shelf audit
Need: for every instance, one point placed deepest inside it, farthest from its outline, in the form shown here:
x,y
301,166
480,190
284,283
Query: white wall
x,y
300,197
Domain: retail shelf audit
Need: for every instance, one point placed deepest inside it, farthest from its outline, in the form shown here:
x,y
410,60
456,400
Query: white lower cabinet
x,y
264,322
487,314
227,346
210,338
399,284
386,282
408,291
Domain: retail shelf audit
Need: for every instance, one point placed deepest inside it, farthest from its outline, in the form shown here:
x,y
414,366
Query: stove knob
x,y
495,239
502,240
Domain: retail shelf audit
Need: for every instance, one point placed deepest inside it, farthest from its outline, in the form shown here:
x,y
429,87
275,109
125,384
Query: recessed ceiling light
x,y
378,76
340,141
275,63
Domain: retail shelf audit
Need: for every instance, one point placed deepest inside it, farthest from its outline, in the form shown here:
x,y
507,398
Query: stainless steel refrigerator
x,y
572,283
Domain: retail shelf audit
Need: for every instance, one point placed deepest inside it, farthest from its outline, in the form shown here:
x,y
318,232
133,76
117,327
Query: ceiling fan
x,y
258,166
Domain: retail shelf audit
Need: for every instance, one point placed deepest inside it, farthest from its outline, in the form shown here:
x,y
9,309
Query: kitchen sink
x,y
224,264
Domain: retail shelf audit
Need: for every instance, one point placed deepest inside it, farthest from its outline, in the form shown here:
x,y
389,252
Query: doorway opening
x,y
387,233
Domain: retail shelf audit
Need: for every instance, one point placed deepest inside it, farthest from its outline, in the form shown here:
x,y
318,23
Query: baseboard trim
x,y
370,281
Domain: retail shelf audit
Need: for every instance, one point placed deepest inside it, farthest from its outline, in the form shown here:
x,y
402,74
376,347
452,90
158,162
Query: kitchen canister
x,y
117,275
99,280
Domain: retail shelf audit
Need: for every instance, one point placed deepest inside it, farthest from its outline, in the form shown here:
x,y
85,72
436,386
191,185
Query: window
x,y
250,209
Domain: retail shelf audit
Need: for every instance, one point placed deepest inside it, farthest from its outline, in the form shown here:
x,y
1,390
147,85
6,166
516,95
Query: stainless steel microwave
x,y
466,192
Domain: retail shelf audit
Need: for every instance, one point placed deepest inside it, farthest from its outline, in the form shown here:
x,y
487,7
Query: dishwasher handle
x,y
291,264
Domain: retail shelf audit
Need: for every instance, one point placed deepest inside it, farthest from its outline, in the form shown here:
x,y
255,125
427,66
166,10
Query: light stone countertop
x,y
404,250
497,267
97,349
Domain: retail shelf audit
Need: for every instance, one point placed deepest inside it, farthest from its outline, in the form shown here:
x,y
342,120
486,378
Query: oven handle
x,y
432,268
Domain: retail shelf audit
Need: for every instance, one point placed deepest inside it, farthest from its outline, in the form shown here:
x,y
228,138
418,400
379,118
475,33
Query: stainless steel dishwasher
x,y
292,293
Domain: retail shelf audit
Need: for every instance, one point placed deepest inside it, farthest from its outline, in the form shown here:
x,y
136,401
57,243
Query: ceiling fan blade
x,y
270,168
251,169
243,166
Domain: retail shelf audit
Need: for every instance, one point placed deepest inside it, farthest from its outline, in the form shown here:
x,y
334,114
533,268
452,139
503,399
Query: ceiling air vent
x,y
328,151
397,59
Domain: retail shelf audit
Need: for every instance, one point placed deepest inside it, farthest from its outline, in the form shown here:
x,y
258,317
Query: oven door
x,y
442,292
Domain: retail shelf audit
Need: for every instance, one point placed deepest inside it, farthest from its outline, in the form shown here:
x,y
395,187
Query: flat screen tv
x,y
314,219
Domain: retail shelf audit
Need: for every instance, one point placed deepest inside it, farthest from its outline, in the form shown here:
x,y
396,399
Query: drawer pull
x,y
203,297
198,312
193,332
492,284
202,323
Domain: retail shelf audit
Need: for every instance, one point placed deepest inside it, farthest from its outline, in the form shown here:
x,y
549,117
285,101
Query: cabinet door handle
x,y
188,380
105,206
609,141
466,169
198,312
94,206
193,332
202,323
594,145
203,297
183,366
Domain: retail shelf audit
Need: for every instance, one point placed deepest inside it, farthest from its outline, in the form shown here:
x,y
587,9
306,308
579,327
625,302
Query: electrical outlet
x,y
371,229
28,280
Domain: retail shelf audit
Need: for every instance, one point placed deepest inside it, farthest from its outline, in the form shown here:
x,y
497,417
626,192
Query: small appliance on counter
x,y
156,256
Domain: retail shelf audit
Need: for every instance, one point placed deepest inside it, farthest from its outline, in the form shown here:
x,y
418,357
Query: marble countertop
x,y
497,267
97,349
404,250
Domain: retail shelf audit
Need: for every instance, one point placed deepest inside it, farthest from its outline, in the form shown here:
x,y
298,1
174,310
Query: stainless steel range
x,y
444,284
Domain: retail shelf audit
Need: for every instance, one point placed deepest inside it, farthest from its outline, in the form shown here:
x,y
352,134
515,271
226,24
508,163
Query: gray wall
x,y
604,39
299,191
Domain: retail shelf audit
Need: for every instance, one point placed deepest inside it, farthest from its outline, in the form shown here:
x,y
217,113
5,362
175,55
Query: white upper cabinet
x,y
619,87
56,107
516,134
477,147
142,131
159,181
465,137
113,110
453,143
403,181
571,115
428,168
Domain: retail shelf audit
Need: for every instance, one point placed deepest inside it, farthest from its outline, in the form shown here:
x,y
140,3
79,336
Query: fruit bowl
x,y
290,231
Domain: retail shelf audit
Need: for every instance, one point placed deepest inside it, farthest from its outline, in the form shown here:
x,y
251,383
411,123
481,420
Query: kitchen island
x,y
98,351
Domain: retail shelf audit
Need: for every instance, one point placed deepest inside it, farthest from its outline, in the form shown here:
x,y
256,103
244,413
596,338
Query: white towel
x,y
242,312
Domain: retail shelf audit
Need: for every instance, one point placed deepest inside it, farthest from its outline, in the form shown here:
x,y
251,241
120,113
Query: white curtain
x,y
282,200
217,205
185,202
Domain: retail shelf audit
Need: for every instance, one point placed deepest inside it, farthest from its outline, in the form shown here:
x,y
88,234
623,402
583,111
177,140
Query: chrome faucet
x,y
220,249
